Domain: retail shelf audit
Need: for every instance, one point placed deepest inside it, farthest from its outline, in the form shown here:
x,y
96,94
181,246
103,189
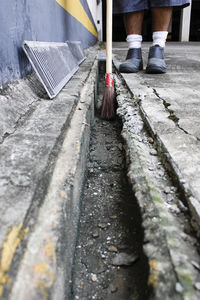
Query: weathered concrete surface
x,y
169,104
169,243
43,152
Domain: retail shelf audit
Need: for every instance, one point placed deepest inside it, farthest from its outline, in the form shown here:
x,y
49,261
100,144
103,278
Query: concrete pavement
x,y
44,146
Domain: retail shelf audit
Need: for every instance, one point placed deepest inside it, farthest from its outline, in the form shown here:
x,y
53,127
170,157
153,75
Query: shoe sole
x,y
155,70
130,70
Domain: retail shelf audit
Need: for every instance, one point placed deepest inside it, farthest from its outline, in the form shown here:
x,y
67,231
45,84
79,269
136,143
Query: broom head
x,y
108,106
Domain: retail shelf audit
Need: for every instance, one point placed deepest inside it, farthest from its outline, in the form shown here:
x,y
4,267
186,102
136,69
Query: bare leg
x,y
133,22
161,18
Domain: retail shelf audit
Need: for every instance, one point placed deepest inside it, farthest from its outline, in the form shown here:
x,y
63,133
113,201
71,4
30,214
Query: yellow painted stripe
x,y
11,242
75,8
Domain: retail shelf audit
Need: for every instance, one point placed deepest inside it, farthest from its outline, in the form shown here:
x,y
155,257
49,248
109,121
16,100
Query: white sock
x,y
134,40
159,38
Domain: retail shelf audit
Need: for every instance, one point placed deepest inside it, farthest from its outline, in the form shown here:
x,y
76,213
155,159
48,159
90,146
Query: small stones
x,y
150,140
197,286
187,229
151,168
102,225
120,146
112,288
124,259
195,264
95,234
179,288
184,236
167,190
113,217
123,247
170,198
153,152
174,208
93,277
112,249
183,181
182,207
120,98
161,173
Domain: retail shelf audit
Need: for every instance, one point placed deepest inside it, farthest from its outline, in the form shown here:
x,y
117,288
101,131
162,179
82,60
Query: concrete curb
x,y
47,263
43,247
172,275
180,180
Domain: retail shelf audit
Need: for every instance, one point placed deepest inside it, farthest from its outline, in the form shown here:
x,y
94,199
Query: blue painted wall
x,y
37,20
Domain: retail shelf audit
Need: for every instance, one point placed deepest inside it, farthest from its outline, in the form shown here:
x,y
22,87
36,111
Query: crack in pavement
x,y
172,116
18,122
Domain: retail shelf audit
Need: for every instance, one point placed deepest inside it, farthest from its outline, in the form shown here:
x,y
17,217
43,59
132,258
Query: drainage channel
x,y
109,261
135,239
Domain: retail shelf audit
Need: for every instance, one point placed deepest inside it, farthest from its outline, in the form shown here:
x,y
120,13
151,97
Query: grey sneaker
x,y
156,63
133,62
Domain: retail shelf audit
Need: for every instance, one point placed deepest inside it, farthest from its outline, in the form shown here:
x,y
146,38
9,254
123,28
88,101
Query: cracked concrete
x,y
35,131
168,247
169,104
43,152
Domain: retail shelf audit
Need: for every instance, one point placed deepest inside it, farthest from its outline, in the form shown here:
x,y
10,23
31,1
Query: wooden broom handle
x,y
109,21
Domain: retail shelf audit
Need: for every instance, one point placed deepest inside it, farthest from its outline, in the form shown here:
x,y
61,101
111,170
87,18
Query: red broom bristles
x,y
108,106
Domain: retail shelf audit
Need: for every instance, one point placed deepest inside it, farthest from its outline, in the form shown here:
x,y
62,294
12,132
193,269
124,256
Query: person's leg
x,y
133,22
133,25
161,20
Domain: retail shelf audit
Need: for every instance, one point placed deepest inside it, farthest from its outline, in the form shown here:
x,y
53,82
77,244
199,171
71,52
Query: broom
x,y
108,106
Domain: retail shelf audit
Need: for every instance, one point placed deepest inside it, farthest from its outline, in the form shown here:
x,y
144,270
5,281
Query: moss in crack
x,y
166,104
173,117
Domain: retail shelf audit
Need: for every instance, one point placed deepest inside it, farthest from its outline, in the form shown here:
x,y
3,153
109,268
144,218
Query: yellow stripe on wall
x,y
75,8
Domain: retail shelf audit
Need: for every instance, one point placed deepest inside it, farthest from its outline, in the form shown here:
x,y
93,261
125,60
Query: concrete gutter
x,y
43,163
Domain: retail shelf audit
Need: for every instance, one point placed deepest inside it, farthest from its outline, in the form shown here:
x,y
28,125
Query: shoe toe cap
x,y
131,66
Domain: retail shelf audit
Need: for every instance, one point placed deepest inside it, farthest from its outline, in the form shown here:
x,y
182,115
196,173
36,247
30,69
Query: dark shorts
x,y
126,6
